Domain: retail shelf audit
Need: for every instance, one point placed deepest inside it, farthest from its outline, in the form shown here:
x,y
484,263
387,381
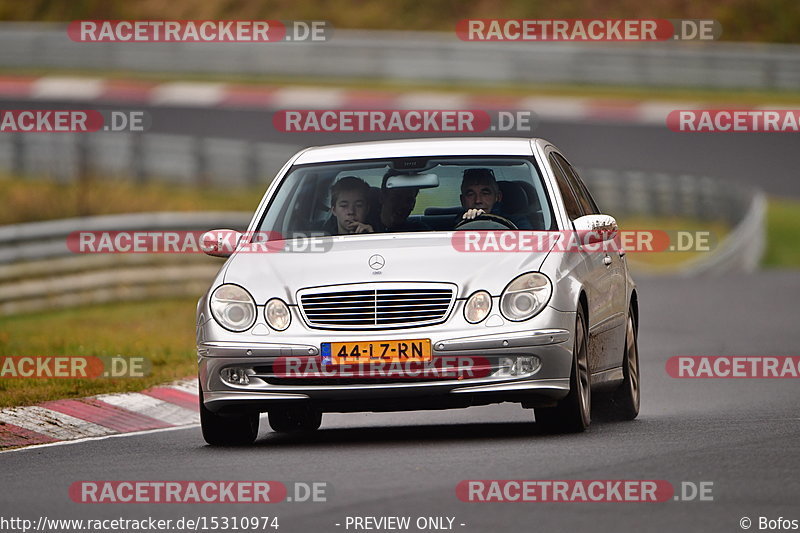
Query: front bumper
x,y
547,336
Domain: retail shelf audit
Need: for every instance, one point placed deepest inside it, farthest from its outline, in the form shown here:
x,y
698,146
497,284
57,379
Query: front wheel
x,y
572,414
230,430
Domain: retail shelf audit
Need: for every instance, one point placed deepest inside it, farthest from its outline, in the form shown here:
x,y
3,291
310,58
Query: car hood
x,y
429,257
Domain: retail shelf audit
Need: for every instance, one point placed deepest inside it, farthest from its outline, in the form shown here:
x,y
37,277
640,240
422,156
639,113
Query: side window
x,y
570,201
584,198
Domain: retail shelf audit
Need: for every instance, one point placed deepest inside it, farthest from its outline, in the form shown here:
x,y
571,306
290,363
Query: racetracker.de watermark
x,y
733,366
194,242
402,120
734,120
588,30
453,367
72,120
177,492
74,367
637,241
197,491
582,490
199,31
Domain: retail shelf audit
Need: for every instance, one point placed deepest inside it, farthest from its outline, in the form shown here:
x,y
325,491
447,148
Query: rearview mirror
x,y
418,181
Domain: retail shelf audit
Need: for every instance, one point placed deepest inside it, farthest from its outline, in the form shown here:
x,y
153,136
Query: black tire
x,y
228,430
295,419
624,404
573,413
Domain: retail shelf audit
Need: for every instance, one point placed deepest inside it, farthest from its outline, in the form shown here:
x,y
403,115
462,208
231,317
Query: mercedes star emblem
x,y
376,262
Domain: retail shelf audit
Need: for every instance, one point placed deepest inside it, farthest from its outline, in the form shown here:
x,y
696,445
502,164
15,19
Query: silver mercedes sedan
x,y
413,275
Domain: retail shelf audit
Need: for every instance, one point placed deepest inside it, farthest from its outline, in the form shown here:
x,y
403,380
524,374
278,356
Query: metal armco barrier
x,y
178,159
38,271
422,56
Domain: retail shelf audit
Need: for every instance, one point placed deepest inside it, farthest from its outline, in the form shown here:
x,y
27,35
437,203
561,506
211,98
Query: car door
x,y
595,277
610,332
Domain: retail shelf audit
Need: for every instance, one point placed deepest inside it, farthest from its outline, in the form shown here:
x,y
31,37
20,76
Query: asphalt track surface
x,y
743,435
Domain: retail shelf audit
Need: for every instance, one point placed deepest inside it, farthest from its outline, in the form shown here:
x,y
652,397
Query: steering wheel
x,y
486,221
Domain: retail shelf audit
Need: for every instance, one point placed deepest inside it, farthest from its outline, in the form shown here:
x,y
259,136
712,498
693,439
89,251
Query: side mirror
x,y
592,229
220,242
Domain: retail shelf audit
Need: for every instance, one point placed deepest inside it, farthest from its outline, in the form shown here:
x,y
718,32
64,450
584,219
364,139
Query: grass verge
x,y
505,89
162,332
666,261
783,234
29,200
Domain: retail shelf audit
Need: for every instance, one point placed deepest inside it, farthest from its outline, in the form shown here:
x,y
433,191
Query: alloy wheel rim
x,y
633,361
582,359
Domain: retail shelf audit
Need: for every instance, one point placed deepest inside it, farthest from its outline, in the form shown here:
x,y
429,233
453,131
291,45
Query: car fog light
x,y
517,366
236,376
528,365
504,366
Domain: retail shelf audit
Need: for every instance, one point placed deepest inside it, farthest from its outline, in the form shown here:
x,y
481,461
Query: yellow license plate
x,y
360,352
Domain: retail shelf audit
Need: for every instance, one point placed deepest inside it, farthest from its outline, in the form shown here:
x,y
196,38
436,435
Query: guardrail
x,y
140,157
38,271
422,56
741,208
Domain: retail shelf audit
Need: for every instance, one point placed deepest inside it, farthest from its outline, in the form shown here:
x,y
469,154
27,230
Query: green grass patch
x,y
783,234
655,262
162,332
692,95
28,200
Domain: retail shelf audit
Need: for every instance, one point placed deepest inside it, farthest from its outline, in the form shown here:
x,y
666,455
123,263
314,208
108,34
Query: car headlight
x,y
525,296
233,307
477,307
277,314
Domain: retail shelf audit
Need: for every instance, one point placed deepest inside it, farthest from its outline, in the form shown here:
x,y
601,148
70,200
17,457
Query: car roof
x,y
471,146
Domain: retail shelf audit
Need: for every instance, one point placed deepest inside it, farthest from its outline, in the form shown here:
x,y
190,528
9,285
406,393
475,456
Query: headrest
x,y
533,198
515,199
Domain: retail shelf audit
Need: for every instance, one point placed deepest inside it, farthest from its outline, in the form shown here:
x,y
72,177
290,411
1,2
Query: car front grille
x,y
377,305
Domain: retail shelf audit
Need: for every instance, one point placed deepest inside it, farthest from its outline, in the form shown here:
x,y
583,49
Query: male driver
x,y
480,194
349,206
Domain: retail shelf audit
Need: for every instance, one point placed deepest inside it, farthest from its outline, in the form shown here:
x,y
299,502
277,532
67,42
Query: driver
x,y
481,194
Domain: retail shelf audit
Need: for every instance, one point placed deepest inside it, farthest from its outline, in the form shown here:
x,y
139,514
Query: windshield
x,y
407,195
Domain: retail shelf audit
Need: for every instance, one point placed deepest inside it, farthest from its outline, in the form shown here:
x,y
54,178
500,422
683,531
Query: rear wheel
x,y
625,400
572,414
228,430
295,419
